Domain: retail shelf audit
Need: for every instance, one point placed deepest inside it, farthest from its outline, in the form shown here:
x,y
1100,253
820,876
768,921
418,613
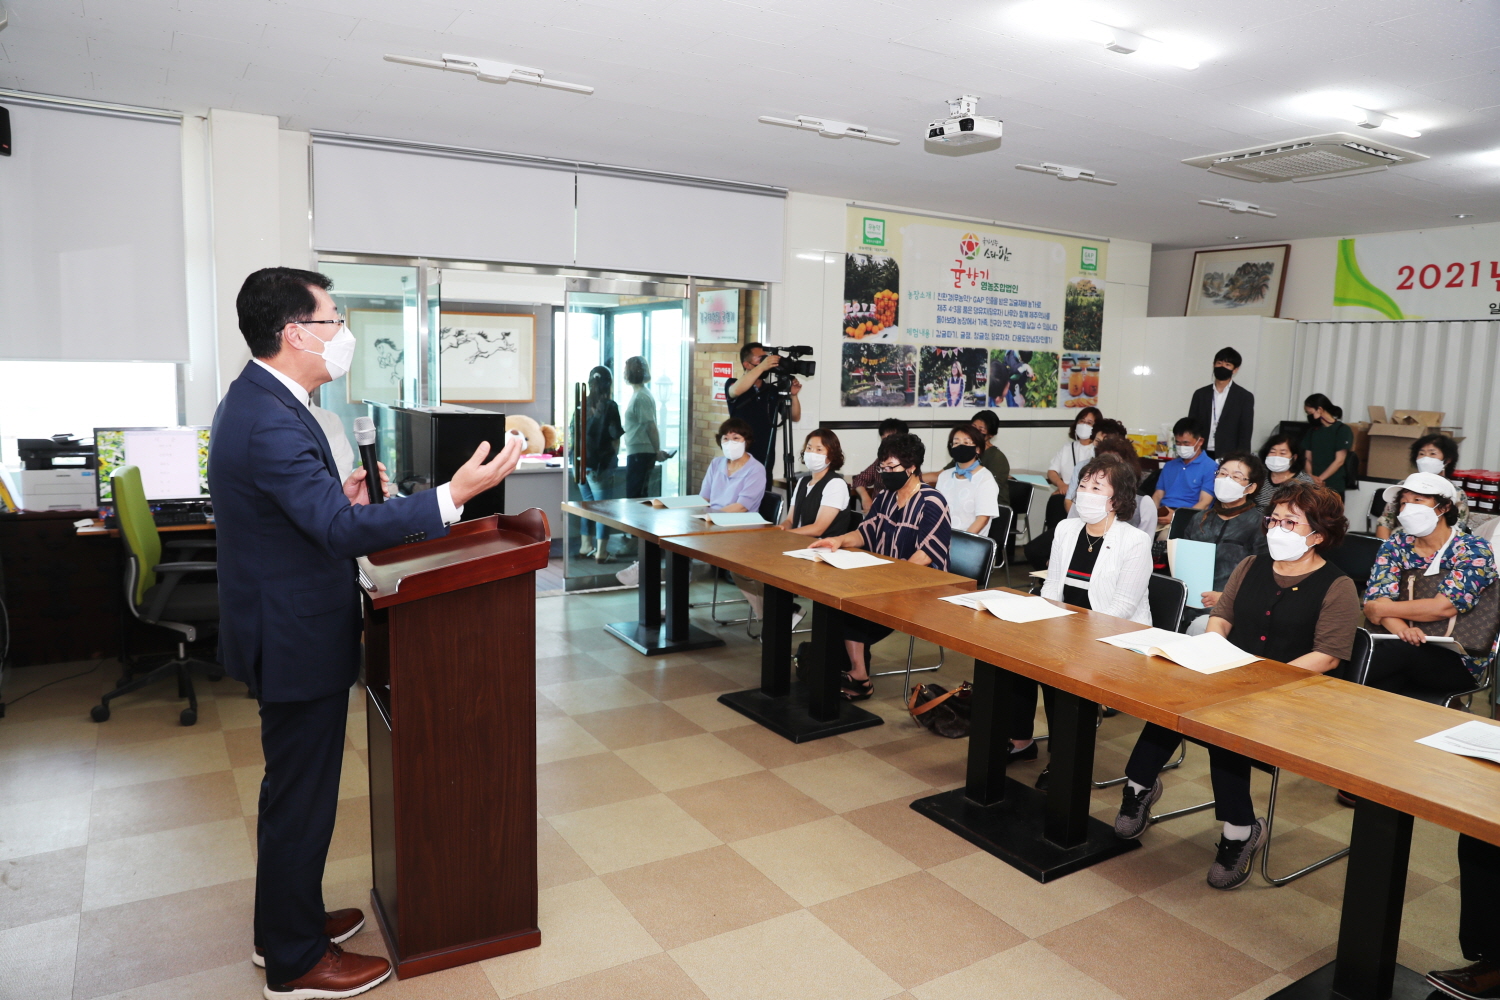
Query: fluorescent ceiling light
x,y
1101,26
490,71
1237,207
829,128
1348,108
1066,173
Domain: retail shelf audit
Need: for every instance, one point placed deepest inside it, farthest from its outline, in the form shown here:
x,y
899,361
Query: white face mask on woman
x,y
1278,463
1418,520
1092,507
1426,463
1227,490
733,450
1284,545
1084,431
814,461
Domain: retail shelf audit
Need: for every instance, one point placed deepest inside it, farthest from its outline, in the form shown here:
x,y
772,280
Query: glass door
x,y
623,378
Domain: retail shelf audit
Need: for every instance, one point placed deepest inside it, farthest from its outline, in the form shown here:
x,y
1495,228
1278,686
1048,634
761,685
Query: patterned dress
x,y
898,532
1467,567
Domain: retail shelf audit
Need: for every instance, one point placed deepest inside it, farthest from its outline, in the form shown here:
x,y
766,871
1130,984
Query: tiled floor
x,y
684,853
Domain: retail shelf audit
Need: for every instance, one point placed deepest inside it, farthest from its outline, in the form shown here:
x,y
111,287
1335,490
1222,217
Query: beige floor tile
x,y
243,747
691,760
1265,989
46,778
46,825
569,667
1027,905
1027,970
1434,850
358,730
706,711
41,886
467,982
37,959
1273,926
823,860
910,834
157,760
795,955
747,806
698,895
48,737
351,829
595,695
237,979
354,779
1430,922
585,929
584,782
635,832
664,682
238,712
1124,948
556,862
142,724
153,806
351,870
1157,863
157,864
850,780
770,750
247,786
618,728
560,738
934,761
655,977
917,928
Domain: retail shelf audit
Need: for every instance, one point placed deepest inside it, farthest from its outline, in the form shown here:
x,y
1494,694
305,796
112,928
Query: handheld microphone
x,y
364,436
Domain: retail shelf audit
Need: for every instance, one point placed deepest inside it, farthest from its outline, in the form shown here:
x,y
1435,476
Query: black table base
x,y
802,712
1044,834
654,641
649,635
1408,985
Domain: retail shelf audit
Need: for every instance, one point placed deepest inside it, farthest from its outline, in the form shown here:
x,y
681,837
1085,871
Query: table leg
x,y
1045,834
1365,966
679,579
826,661
648,634
776,644
648,597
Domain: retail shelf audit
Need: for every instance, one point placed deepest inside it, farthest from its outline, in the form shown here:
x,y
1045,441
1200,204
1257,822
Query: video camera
x,y
792,364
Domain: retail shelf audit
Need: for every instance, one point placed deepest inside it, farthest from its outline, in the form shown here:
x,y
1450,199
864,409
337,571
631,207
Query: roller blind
x,y
384,201
91,238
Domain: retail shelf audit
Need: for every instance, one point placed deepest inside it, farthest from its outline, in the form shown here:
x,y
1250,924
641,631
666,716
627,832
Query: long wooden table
x,y
649,634
812,710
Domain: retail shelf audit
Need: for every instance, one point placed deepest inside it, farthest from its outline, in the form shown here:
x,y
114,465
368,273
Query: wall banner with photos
x,y
968,316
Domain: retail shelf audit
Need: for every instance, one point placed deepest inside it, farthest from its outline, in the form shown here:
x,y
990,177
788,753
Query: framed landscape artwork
x,y
488,357
1240,281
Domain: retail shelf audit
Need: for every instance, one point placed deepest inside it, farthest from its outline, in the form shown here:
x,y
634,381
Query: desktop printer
x,y
57,473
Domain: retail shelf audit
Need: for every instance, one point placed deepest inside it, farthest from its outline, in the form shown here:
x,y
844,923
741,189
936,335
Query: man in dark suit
x,y
289,627
1225,408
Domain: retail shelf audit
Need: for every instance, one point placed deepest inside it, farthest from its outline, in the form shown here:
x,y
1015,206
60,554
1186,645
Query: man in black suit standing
x,y
1225,408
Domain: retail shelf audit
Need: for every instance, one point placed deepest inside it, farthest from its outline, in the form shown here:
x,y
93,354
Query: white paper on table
x,y
1021,610
1469,739
811,555
733,519
1142,640
973,601
678,503
1207,653
839,558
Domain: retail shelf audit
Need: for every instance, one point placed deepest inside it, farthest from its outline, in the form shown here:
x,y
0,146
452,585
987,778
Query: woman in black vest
x,y
820,499
1293,606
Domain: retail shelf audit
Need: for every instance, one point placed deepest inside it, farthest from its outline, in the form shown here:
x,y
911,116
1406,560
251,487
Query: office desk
x,y
98,529
648,634
802,713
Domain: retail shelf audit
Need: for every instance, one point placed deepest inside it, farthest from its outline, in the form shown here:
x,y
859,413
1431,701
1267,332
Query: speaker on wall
x,y
4,131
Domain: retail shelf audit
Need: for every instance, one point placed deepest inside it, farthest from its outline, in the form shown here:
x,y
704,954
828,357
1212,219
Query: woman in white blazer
x,y
1100,561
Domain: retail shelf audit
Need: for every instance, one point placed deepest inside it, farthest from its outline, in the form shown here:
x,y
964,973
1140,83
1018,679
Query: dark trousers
x,y
852,628
1023,706
1406,669
1229,771
303,743
638,474
1478,889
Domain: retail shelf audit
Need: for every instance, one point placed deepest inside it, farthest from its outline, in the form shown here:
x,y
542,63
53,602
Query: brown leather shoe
x,y
1480,981
338,974
340,926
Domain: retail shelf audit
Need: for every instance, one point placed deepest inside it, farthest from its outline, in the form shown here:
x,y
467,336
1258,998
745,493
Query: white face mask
x,y
1084,431
337,353
814,461
733,450
1227,490
1278,463
1092,507
1185,452
1285,546
1426,463
1417,519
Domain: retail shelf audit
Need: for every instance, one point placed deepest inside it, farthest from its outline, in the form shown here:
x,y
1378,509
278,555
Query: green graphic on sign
x,y
1352,288
874,232
1089,260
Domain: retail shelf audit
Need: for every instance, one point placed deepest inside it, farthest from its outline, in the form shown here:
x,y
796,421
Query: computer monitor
x,y
173,460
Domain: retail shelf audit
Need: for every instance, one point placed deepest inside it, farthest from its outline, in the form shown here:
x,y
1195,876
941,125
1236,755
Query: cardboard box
x,y
1390,439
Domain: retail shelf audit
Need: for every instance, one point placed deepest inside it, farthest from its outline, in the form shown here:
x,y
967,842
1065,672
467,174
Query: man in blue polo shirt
x,y
1188,479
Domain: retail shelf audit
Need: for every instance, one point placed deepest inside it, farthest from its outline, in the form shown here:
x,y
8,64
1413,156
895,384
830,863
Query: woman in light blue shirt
x,y
735,481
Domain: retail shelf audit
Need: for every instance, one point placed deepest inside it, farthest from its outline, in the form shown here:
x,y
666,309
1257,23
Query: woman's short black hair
x,y
907,449
831,442
1442,443
890,425
1109,426
1290,442
990,420
1122,479
734,425
1251,462
270,299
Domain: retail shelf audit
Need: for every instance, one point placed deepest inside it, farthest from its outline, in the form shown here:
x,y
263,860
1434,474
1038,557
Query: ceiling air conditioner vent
x,y
1314,158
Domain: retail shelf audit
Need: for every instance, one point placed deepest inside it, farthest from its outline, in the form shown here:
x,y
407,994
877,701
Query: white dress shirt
x,y
450,513
1218,408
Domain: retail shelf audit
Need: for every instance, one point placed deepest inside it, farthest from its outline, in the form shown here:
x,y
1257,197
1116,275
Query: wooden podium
x,y
450,671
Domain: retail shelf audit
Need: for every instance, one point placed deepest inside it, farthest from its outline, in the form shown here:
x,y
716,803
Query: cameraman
x,y
754,402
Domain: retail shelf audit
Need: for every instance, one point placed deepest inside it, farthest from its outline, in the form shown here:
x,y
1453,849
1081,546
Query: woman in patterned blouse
x,y
907,520
1427,541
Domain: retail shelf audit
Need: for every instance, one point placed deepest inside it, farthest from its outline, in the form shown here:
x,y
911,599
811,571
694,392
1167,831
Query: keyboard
x,y
165,518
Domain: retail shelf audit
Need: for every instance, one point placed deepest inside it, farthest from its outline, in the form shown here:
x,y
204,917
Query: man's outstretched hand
x,y
476,475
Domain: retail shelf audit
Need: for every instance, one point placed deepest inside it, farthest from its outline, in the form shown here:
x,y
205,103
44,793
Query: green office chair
x,y
156,595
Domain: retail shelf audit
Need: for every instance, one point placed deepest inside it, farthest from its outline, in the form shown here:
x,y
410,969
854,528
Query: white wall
x,y
1308,293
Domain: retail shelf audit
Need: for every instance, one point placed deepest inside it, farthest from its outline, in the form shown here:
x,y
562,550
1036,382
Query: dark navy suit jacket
x,y
289,610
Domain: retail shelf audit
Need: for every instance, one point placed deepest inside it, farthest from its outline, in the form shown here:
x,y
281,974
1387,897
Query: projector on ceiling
x,y
963,127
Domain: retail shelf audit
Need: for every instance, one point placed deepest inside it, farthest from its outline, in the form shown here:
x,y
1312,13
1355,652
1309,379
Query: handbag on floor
x,y
940,711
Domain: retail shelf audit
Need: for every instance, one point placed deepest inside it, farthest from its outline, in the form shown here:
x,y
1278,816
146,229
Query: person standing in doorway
x,y
1225,407
642,439
601,457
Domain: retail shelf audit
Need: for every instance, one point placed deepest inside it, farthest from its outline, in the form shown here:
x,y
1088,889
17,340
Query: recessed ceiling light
x,y
1464,215
1237,207
1236,237
1349,108
490,71
829,128
1089,23
1066,173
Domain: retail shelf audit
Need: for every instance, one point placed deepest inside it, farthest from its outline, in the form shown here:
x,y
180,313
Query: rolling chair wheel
x,y
216,677
188,716
99,713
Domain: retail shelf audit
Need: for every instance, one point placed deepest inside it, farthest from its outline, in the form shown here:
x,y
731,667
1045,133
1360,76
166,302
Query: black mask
x,y
1312,418
963,454
1222,374
893,480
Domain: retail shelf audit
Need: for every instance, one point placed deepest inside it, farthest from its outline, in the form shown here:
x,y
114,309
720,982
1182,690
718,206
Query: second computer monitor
x,y
173,460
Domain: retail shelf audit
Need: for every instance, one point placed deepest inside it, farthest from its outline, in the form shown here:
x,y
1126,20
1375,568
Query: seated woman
x,y
1426,540
1100,561
1232,523
1436,454
1283,463
735,481
867,482
971,491
1120,448
907,520
820,499
1290,605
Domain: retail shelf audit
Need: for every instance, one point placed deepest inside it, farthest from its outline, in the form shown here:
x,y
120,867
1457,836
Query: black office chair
x,y
1020,503
771,510
1001,527
969,555
156,595
1356,557
1180,519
